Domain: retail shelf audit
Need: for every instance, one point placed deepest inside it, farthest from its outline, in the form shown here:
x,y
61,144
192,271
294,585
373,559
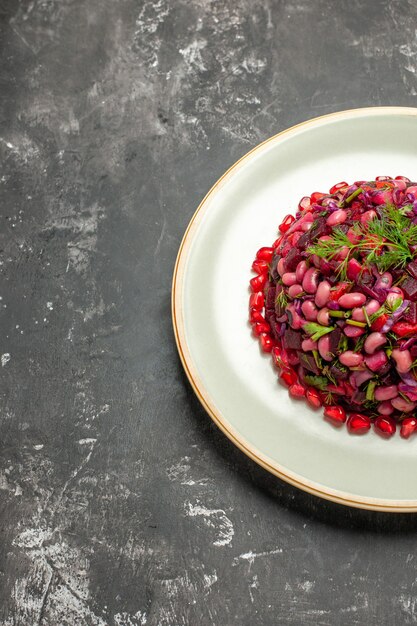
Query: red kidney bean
x,y
338,217
281,267
353,331
372,307
309,310
295,290
308,344
403,405
374,341
324,348
386,393
310,280
375,361
385,408
289,278
368,216
351,300
403,360
358,315
322,294
297,321
350,358
301,270
323,317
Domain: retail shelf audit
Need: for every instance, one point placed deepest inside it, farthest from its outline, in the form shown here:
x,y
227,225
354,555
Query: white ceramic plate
x,y
236,383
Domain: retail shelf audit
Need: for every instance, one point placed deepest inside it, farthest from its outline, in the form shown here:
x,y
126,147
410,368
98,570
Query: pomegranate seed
x,y
385,426
358,424
276,243
258,282
265,254
286,223
408,427
257,300
261,327
383,178
256,316
313,398
338,186
280,358
297,391
267,342
335,413
289,377
316,196
304,204
260,267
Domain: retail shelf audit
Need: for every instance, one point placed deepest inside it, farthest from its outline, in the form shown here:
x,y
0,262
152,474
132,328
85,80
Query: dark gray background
x,y
121,503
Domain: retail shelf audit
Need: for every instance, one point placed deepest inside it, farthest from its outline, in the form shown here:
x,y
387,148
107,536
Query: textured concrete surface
x,y
120,502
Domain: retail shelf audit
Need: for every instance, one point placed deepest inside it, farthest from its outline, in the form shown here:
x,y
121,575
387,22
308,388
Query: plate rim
x,y
177,311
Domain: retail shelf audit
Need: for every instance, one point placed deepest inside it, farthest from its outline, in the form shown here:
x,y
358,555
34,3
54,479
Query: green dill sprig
x,y
385,242
281,300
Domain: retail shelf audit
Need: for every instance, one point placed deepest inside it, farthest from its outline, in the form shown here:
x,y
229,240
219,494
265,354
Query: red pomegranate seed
x,y
408,427
313,398
261,327
335,413
358,424
385,426
257,300
265,254
260,267
297,391
304,204
267,342
256,316
316,196
383,178
286,223
289,377
280,358
276,243
257,283
338,186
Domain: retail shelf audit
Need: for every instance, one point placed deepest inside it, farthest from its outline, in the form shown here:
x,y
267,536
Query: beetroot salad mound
x,y
334,301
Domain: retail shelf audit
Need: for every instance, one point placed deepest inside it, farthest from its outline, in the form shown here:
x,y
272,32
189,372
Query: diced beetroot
x,y
334,339
409,287
292,339
338,371
292,260
411,313
269,292
412,269
308,362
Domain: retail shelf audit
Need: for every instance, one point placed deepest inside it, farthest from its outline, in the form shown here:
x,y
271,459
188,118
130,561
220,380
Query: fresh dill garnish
x,y
281,300
359,343
385,241
327,372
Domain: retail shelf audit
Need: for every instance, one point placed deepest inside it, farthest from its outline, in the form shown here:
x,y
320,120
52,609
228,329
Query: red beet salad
x,y
334,301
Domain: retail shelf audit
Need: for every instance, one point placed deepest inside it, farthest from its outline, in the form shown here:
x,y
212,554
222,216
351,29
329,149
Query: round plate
x,y
237,384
